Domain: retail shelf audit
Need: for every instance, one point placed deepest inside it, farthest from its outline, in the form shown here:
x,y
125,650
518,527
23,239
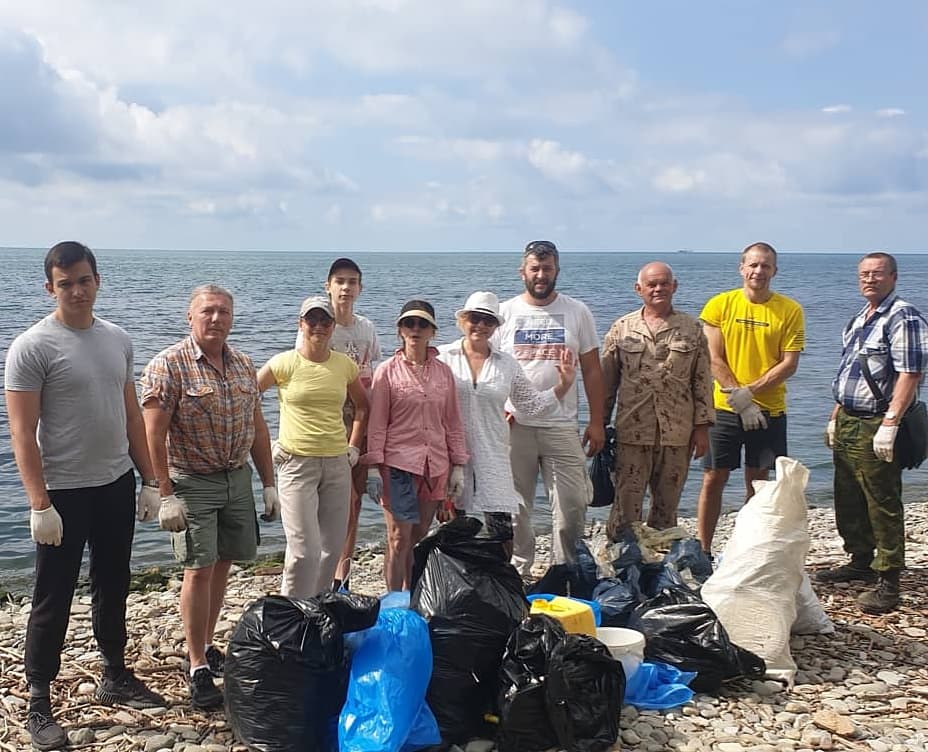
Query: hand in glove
x,y
456,482
173,514
883,442
147,503
354,455
271,504
740,398
752,418
46,526
374,485
830,434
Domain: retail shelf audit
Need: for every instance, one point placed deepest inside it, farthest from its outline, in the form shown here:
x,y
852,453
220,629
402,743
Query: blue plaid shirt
x,y
894,339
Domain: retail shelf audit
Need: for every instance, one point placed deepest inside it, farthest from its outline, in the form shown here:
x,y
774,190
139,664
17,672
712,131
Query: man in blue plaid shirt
x,y
893,338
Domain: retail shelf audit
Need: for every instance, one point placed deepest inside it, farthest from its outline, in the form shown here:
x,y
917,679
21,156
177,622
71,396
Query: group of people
x,y
464,428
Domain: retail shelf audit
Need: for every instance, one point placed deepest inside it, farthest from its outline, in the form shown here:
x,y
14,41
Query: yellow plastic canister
x,y
574,616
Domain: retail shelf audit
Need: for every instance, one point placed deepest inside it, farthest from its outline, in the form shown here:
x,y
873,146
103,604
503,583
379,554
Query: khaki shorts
x,y
222,523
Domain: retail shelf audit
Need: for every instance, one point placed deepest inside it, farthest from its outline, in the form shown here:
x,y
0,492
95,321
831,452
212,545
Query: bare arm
x,y
261,449
23,409
266,378
157,422
594,437
717,357
784,368
358,396
135,431
904,393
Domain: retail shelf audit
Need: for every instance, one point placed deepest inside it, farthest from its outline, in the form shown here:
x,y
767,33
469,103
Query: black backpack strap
x,y
881,402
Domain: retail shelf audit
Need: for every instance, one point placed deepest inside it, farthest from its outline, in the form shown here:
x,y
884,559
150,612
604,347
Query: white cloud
x,y
836,109
802,44
890,112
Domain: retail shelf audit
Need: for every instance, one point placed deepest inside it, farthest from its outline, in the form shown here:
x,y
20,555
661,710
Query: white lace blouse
x,y
488,485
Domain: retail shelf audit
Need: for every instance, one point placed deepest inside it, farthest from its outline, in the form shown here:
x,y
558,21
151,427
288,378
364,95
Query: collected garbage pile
x,y
468,655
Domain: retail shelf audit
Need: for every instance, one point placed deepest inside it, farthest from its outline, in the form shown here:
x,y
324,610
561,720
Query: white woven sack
x,y
754,589
810,616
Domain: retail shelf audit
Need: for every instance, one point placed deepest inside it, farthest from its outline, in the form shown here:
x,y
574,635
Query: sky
x,y
438,125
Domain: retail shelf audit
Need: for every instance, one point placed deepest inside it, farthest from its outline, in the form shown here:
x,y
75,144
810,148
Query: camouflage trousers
x,y
868,495
638,469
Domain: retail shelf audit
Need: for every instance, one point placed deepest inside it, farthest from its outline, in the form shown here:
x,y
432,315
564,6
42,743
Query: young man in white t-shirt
x,y
538,325
356,337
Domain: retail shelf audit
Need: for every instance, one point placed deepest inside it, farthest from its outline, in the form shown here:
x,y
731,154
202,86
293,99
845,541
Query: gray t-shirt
x,y
82,374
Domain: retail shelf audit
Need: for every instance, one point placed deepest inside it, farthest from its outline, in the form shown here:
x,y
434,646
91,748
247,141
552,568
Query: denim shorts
x,y
403,491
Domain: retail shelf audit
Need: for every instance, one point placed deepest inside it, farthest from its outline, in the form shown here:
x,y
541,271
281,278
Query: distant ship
x,y
685,250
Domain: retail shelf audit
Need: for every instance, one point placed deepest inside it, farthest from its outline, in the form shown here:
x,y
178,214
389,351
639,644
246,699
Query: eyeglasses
x,y
481,318
872,275
414,322
319,319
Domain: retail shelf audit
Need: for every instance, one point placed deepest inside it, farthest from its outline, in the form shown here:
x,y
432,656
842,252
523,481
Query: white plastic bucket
x,y
626,646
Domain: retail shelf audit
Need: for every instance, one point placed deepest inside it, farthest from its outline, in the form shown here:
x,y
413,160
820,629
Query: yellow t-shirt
x,y
755,335
311,396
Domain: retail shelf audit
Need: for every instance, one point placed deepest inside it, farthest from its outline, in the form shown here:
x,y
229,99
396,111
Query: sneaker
x,y
203,692
215,660
46,734
127,689
849,572
884,597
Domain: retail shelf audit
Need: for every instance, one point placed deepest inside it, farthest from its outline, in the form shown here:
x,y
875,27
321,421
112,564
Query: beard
x,y
540,293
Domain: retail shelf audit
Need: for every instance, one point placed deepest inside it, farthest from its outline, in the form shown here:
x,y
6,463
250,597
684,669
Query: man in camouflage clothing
x,y
656,372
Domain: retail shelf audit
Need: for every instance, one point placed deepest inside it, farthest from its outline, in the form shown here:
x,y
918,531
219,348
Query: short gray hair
x,y
210,289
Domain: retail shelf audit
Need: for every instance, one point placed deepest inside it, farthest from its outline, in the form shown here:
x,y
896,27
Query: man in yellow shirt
x,y
755,337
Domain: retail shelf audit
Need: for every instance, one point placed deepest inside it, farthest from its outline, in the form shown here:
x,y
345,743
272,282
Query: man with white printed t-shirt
x,y
538,325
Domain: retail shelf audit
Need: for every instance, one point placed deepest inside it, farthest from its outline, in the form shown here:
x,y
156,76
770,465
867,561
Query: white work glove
x,y
374,485
354,454
147,503
456,482
271,504
740,398
46,526
883,441
830,434
752,418
173,514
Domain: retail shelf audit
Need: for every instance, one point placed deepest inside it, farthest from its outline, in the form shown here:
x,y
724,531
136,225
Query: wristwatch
x,y
890,415
153,483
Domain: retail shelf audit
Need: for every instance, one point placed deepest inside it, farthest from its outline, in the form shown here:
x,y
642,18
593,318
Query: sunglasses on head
x,y
481,318
318,319
414,322
540,248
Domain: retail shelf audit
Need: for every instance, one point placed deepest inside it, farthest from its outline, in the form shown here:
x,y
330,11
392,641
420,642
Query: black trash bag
x,y
585,691
684,632
525,725
688,554
473,599
576,579
657,577
286,673
616,602
601,468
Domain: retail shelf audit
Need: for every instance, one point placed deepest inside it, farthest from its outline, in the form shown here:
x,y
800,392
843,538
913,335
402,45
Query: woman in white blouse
x,y
485,379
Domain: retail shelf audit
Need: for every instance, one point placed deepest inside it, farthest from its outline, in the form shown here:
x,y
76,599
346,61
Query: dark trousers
x,y
868,495
104,518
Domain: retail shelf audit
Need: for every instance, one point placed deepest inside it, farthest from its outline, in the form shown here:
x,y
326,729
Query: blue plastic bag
x,y
657,686
390,671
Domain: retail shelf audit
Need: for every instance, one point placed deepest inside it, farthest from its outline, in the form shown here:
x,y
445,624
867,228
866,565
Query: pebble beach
x,y
865,687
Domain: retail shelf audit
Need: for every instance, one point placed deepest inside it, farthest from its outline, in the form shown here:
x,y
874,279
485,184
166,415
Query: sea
x,y
146,292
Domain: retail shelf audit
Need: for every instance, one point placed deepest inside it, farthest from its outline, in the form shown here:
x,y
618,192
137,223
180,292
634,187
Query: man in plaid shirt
x,y
892,336
202,411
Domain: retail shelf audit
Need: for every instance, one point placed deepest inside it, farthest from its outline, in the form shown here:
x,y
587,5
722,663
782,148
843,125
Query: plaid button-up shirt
x,y
212,415
894,340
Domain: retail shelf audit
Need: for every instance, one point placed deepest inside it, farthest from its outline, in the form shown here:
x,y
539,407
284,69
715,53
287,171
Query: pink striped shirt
x,y
415,422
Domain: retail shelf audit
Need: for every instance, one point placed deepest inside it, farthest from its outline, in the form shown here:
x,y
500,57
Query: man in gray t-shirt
x,y
76,431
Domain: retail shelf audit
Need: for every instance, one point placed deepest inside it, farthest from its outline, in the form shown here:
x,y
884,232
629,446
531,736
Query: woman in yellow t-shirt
x,y
312,454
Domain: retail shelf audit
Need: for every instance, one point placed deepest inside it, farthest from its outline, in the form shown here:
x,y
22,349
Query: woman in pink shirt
x,y
415,437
